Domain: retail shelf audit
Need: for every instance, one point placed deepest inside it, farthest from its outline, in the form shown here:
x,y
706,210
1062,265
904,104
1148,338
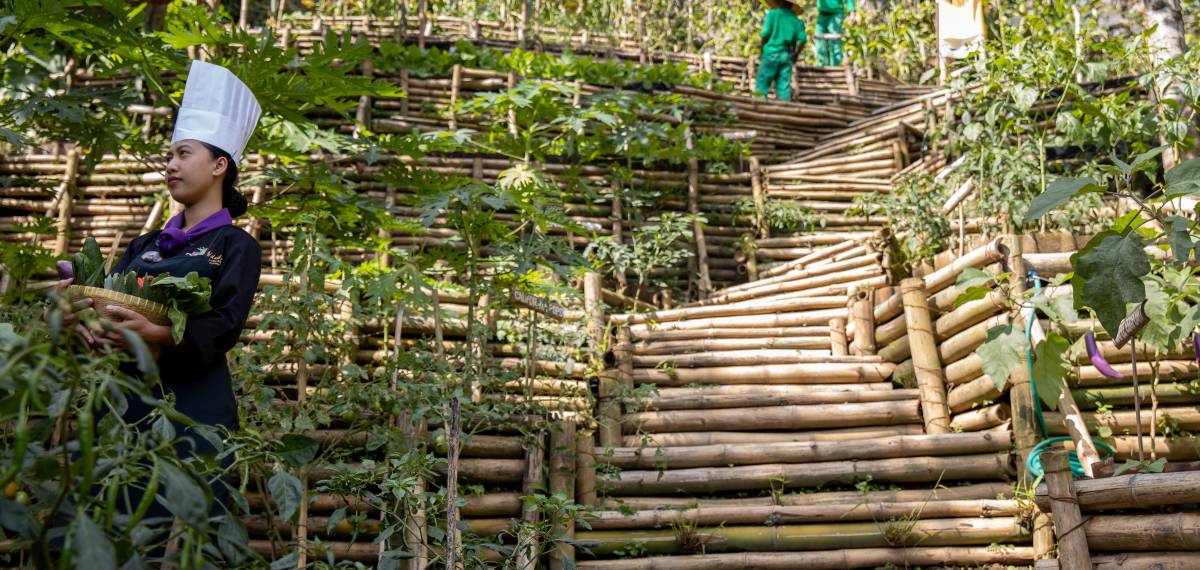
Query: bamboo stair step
x,y
778,514
839,559
649,457
752,395
685,438
849,535
808,373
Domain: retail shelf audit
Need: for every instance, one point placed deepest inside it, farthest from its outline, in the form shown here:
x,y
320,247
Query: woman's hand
x,y
70,312
156,336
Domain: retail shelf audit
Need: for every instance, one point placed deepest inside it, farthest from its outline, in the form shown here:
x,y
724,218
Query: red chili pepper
x,y
1098,359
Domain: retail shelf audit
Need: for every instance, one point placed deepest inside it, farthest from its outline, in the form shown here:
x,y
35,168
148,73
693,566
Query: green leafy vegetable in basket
x,y
88,264
183,296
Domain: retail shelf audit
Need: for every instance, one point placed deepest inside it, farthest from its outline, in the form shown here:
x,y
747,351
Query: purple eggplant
x,y
65,270
1098,359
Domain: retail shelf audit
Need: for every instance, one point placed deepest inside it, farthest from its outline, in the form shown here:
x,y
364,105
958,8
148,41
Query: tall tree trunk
x,y
1167,42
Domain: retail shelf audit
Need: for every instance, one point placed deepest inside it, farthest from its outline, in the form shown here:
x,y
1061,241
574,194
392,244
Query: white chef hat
x,y
217,109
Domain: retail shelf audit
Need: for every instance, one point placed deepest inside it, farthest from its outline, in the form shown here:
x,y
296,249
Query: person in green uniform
x,y
830,14
782,38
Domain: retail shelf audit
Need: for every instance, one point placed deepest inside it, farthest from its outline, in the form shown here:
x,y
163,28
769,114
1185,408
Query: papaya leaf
x,y
1050,367
1058,193
1003,351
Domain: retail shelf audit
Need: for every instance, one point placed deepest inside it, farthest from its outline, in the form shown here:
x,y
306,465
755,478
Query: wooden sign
x,y
539,304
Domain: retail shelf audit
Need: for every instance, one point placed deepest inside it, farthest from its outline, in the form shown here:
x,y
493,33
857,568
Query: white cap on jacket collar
x,y
217,109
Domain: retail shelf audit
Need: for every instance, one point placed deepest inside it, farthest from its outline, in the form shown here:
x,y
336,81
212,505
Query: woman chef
x,y
216,118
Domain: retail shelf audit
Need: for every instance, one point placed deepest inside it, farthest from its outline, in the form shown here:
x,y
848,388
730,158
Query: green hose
x,y
1033,465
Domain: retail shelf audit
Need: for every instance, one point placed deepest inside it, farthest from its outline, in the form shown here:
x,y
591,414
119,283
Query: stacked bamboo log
x,y
832,179
758,392
1145,520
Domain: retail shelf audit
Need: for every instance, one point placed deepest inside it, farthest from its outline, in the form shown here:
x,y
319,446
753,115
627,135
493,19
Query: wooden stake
x,y
455,85
837,337
760,198
926,364
1068,522
453,556
704,282
563,455
527,549
862,311
65,200
585,468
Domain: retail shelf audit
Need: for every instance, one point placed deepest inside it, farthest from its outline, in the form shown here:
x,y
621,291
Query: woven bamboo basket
x,y
103,298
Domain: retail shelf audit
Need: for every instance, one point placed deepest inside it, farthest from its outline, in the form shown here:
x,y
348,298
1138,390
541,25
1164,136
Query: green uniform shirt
x,y
835,6
783,31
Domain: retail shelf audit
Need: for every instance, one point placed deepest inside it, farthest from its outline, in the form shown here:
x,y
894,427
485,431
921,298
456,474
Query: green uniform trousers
x,y
829,52
775,67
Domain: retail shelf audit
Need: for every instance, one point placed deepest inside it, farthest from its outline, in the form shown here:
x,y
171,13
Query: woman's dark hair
x,y
231,198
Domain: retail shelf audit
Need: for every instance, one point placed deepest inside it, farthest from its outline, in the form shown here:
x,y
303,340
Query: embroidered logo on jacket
x,y
199,251
214,260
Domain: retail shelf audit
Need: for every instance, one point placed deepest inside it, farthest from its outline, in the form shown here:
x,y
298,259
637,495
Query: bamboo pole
x,y
776,417
928,367
585,468
753,396
1128,533
838,559
676,439
852,535
1137,491
837,337
704,281
563,457
862,311
650,457
779,514
772,476
981,418
453,538
1021,393
974,491
759,196
528,550
1135,561
1072,543
64,199
608,416
806,373
455,87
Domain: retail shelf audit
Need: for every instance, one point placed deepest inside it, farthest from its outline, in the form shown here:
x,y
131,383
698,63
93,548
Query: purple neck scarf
x,y
173,237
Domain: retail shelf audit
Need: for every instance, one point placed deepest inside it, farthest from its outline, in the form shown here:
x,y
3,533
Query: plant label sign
x,y
539,304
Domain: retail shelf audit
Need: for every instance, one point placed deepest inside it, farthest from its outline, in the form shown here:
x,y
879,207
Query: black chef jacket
x,y
197,371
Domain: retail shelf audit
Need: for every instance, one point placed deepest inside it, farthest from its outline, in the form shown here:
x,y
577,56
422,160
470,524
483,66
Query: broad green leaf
x,y
233,539
1059,192
285,489
1108,275
1142,161
1181,238
972,277
971,294
297,449
146,363
91,547
1183,179
1003,351
1050,368
183,496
